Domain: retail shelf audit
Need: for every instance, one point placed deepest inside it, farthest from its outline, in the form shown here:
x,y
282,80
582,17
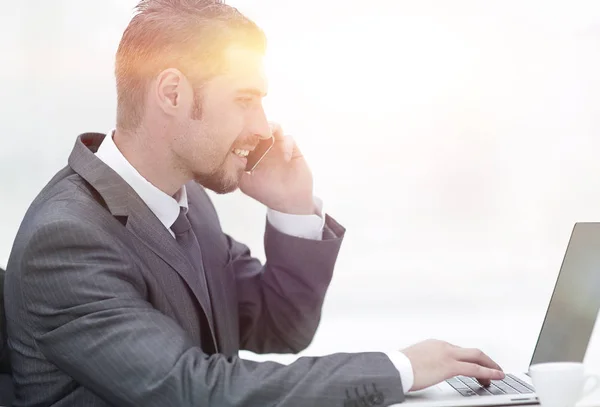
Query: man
x,y
123,290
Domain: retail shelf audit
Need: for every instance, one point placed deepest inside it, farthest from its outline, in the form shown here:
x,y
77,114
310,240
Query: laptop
x,y
564,337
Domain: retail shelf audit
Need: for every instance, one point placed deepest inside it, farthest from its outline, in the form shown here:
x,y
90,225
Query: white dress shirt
x,y
166,209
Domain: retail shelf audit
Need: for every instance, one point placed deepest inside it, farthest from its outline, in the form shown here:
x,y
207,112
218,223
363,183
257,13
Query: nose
x,y
260,125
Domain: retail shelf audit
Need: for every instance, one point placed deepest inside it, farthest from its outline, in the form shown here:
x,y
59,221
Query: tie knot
x,y
181,224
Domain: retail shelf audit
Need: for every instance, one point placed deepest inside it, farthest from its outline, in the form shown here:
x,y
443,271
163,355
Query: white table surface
x,y
508,334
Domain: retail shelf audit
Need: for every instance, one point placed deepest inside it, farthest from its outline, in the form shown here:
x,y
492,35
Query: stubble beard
x,y
218,180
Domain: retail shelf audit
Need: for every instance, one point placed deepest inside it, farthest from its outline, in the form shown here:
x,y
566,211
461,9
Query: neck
x,y
147,154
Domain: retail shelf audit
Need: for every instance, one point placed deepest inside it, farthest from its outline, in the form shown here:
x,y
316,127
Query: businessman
x,y
122,289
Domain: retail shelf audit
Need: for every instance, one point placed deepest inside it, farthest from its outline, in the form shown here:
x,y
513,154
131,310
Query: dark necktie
x,y
185,236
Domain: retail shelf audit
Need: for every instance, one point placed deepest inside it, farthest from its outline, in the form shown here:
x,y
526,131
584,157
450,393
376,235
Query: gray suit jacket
x,y
102,309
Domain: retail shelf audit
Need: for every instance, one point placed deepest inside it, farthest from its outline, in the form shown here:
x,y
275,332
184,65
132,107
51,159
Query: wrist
x,y
297,207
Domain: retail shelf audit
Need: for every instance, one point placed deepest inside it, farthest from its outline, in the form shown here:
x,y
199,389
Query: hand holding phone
x,y
256,156
284,183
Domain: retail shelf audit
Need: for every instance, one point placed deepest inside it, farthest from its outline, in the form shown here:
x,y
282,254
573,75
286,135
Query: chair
x,y
6,384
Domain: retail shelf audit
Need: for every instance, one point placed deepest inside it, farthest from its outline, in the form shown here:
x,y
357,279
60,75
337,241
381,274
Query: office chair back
x,y
6,384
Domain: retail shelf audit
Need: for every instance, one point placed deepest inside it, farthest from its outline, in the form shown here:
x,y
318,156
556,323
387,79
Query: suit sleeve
x,y
86,308
280,303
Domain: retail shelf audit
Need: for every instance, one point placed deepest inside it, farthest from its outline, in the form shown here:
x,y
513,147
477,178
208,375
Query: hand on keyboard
x,y
434,361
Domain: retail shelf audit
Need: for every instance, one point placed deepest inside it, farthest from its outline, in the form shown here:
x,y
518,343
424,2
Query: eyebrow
x,y
251,91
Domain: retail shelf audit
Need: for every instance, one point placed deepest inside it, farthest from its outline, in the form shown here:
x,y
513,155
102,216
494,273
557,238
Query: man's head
x,y
189,72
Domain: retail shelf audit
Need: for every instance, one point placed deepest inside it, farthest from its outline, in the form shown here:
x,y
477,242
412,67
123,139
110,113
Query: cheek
x,y
216,133
218,143
231,134
229,123
197,146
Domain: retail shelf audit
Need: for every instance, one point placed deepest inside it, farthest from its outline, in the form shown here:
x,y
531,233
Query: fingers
x,y
276,131
286,143
434,361
481,373
283,142
484,382
476,356
288,146
484,367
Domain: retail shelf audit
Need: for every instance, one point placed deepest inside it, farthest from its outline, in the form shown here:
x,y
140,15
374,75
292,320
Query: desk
x,y
508,334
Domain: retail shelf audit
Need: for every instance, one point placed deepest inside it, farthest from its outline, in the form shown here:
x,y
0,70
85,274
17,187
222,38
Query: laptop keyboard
x,y
467,386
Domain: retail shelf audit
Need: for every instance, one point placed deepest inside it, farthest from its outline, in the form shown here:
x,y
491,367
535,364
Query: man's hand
x,y
435,361
282,181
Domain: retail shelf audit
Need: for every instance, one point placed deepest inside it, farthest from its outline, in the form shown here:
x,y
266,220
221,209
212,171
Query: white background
x,y
457,141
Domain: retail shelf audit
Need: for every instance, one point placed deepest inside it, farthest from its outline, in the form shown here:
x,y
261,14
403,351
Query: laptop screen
x,y
575,301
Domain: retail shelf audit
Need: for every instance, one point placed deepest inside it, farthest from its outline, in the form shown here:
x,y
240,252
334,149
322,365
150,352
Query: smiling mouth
x,y
240,152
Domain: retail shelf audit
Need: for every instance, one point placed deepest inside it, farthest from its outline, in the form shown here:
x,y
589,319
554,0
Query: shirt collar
x,y
165,207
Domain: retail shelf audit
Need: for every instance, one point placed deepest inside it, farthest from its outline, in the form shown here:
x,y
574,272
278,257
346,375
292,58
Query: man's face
x,y
225,121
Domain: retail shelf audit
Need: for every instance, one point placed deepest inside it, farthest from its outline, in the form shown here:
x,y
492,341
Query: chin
x,y
220,182
223,188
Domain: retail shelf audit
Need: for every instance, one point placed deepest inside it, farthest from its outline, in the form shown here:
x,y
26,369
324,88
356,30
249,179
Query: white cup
x,y
562,384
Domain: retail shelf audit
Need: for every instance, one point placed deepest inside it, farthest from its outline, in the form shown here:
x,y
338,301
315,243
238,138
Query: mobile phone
x,y
256,156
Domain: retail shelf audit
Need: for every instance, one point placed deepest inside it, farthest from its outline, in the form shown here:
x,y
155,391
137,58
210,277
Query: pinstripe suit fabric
x,y
103,308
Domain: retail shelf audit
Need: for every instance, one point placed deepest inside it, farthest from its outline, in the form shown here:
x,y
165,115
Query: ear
x,y
172,92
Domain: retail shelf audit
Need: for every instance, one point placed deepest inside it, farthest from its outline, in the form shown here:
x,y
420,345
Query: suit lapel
x,y
216,274
153,234
122,201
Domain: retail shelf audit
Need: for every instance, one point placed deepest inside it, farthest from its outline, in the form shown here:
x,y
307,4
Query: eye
x,y
245,101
